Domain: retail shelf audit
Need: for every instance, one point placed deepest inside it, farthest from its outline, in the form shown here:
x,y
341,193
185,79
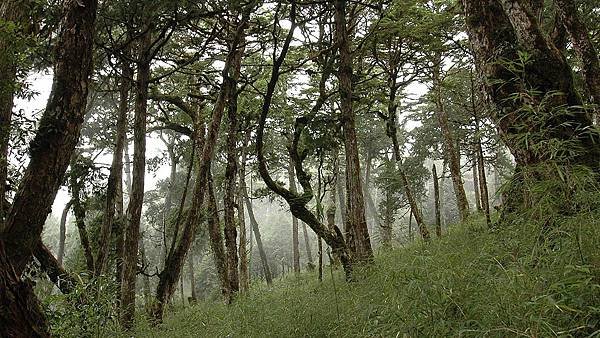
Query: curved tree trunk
x,y
62,234
50,152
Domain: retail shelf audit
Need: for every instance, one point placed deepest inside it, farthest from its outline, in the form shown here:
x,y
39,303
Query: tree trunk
x,y
50,152
436,202
79,212
357,234
57,135
145,277
295,239
368,197
63,232
136,200
231,169
449,142
216,241
259,244
54,269
476,179
584,47
21,315
175,259
499,30
116,171
193,296
244,274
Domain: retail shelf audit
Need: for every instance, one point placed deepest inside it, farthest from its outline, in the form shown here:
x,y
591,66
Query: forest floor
x,y
527,279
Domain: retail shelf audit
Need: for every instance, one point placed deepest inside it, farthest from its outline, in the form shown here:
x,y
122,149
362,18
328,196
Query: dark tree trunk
x,y
53,268
243,252
436,202
116,170
357,234
216,242
63,232
21,315
231,169
193,296
136,199
567,10
295,233
498,30
79,212
475,169
57,135
50,152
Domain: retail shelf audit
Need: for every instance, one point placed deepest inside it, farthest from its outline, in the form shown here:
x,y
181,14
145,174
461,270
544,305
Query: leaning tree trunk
x,y
498,31
136,200
259,244
54,269
50,152
63,232
295,239
175,259
357,234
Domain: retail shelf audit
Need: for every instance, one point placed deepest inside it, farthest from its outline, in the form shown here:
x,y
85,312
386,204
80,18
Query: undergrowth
x,y
472,282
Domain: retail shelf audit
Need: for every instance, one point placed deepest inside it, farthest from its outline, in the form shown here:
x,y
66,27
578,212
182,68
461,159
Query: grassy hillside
x,y
526,279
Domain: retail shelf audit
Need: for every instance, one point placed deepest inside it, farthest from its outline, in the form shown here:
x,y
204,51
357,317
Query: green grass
x,y
521,280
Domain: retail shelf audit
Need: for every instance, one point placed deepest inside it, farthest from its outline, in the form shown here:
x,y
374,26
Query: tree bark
x,y
357,234
76,183
116,170
231,169
259,244
63,232
475,170
295,239
50,152
449,142
136,200
175,259
216,242
436,202
244,274
567,10
54,269
499,30
21,315
57,135
193,296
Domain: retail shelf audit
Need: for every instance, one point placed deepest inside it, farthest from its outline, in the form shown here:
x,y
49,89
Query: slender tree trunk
x,y
295,239
136,200
341,197
436,202
63,232
231,171
357,234
193,297
79,212
244,275
410,232
145,277
120,222
584,47
116,172
175,259
476,180
368,197
259,244
449,143
216,242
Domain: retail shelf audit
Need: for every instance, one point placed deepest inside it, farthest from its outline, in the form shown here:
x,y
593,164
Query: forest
x,y
299,168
